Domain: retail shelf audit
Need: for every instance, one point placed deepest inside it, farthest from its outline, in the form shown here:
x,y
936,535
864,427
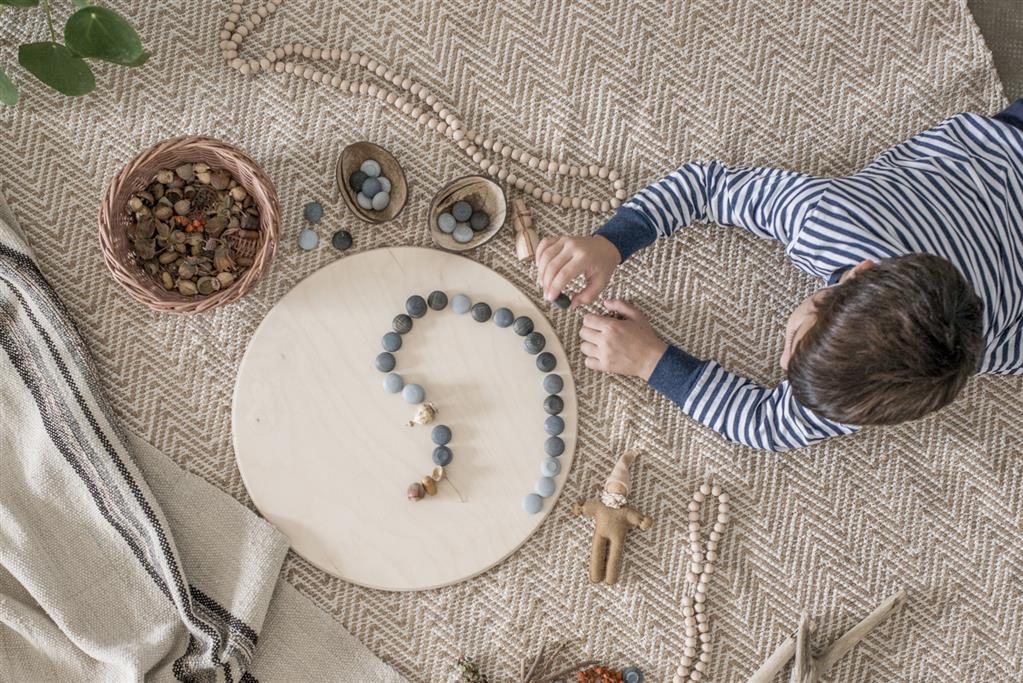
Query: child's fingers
x,y
589,293
558,270
589,349
592,363
596,322
565,274
589,334
544,245
623,309
544,257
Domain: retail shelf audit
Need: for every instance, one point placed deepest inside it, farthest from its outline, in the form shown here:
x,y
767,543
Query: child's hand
x,y
625,347
561,260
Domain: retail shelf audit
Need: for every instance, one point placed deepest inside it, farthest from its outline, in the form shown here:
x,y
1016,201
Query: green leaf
x,y
8,91
143,58
57,67
103,34
19,3
80,3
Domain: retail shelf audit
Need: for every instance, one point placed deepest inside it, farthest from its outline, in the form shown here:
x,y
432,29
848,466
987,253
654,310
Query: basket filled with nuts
x,y
189,225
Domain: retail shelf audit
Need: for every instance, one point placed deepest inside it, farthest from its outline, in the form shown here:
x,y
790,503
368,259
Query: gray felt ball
x,y
381,200
391,341
308,239
562,301
393,383
442,456
522,326
356,180
313,212
479,220
364,201
370,167
441,435
532,503
462,211
462,234
415,306
402,324
503,317
545,487
437,300
554,425
553,404
384,362
385,184
460,304
446,223
534,342
341,240
550,467
546,361
553,384
413,393
554,446
371,187
481,312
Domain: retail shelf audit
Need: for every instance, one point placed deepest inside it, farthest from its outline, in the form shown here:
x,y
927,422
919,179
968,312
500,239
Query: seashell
x,y
429,485
425,412
416,491
187,288
186,172
437,474
220,180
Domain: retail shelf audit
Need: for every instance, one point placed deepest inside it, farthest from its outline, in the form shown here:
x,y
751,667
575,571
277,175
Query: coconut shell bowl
x,y
483,195
257,246
350,161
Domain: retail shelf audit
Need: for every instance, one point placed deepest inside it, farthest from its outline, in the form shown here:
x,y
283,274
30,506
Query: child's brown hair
x,y
893,343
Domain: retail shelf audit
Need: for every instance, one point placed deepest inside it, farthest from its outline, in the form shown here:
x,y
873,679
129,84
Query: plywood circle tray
x,y
326,454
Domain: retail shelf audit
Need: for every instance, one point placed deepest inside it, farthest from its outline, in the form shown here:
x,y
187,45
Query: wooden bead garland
x,y
429,110
702,555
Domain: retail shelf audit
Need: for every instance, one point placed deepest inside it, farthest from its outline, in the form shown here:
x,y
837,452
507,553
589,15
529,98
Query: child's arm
x,y
737,408
768,202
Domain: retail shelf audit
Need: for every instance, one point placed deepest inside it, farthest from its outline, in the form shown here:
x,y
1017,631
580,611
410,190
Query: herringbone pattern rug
x,y
935,506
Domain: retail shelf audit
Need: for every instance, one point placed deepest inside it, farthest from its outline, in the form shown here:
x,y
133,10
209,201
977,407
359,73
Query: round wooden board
x,y
326,453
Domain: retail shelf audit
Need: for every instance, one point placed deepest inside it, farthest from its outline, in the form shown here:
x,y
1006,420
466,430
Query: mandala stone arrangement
x,y
533,343
184,226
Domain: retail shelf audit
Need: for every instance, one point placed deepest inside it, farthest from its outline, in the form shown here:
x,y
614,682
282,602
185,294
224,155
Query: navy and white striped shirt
x,y
955,190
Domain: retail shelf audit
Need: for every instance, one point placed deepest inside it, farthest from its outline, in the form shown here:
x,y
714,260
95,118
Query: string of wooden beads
x,y
415,101
702,556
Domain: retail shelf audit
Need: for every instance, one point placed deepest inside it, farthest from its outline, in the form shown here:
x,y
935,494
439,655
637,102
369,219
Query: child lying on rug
x,y
922,253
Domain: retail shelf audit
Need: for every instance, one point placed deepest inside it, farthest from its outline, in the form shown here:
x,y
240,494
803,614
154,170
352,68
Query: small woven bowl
x,y
482,193
114,219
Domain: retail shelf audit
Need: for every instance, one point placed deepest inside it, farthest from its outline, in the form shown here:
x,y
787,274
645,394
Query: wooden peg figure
x,y
614,519
525,235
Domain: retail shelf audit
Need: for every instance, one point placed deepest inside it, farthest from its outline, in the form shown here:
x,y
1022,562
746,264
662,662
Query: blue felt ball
x,y
460,304
441,435
532,503
554,425
313,212
393,382
384,362
391,342
550,467
554,446
503,317
413,393
553,384
545,487
442,456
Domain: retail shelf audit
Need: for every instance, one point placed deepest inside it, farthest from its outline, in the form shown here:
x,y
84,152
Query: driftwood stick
x,y
778,659
532,667
803,669
848,640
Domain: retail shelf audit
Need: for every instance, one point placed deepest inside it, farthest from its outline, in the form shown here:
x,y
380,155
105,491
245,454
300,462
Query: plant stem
x,y
49,20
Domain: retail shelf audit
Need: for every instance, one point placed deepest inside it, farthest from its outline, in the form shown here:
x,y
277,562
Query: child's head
x,y
890,342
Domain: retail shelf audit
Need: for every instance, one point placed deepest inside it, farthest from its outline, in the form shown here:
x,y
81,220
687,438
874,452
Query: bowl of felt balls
x,y
467,213
372,182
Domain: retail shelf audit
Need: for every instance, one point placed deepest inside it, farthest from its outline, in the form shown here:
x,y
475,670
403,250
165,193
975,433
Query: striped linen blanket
x,y
115,564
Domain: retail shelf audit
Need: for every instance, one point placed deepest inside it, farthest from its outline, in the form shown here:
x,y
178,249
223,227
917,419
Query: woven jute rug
x,y
935,506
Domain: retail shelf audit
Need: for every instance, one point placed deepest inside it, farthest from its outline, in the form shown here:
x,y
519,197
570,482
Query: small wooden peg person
x,y
525,235
613,519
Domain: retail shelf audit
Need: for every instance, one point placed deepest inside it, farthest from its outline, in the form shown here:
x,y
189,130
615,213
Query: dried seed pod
x,y
425,412
207,285
146,228
134,203
165,176
200,167
204,177
163,212
225,278
437,474
168,257
186,172
220,180
187,288
145,249
182,206
167,280
186,270
238,193
243,261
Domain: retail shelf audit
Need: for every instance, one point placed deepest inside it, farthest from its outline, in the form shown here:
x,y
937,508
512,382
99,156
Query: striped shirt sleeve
x,y
769,202
740,409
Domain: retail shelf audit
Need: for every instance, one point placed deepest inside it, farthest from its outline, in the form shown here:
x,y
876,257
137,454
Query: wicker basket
x,y
114,219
